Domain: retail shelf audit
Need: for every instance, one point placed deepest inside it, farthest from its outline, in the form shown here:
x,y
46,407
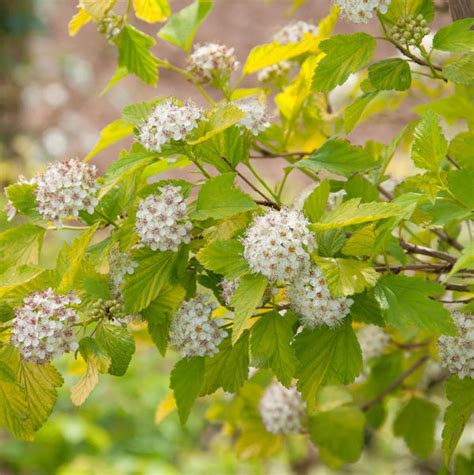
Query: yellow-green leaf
x,y
97,8
111,134
152,11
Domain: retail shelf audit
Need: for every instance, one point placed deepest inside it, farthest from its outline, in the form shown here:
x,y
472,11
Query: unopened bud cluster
x,y
294,32
168,121
361,11
411,30
212,62
111,310
282,409
311,299
43,326
277,244
65,189
193,331
161,221
111,26
255,119
457,352
373,341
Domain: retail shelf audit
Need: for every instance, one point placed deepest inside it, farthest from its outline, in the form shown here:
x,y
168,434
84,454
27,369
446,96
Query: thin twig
x,y
428,267
425,251
380,397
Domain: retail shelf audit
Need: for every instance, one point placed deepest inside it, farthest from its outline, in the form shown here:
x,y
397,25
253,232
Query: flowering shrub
x,y
350,292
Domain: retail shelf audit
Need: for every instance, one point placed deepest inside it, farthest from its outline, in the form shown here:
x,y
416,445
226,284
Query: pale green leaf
x,y
465,261
97,8
23,199
112,133
460,70
315,205
403,8
94,354
246,298
460,149
460,184
182,26
361,243
456,37
390,74
347,276
354,113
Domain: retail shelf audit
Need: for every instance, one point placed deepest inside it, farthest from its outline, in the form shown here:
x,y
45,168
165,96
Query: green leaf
x,y
340,157
315,205
353,212
20,245
246,298
220,198
457,37
158,314
353,113
460,184
23,199
416,423
118,342
220,120
271,342
390,74
345,54
430,145
347,276
75,257
186,381
330,242
182,26
136,113
366,309
94,354
152,11
326,356
134,54
406,302
403,8
460,70
224,257
229,368
153,272
340,431
361,243
6,373
465,261
112,133
460,149
461,394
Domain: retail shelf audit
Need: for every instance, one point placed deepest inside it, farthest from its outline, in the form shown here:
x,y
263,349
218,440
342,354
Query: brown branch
x,y
425,251
446,237
435,268
463,301
380,397
457,287
411,346
270,204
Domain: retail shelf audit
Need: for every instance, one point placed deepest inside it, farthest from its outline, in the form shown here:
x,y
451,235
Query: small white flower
x,y
277,244
161,220
294,32
457,352
43,326
212,62
228,288
120,265
282,409
65,189
193,332
361,11
167,122
373,341
255,119
311,299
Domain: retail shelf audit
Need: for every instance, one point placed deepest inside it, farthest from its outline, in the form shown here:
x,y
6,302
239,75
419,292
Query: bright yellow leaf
x,y
80,19
152,11
165,408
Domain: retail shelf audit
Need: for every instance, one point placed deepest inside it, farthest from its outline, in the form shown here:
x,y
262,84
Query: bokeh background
x,y
50,109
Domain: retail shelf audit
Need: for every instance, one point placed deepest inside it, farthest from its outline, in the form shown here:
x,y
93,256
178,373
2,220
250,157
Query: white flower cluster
x,y
212,62
161,220
294,32
310,298
457,352
167,122
274,72
373,341
193,332
277,244
228,288
361,11
120,264
42,328
255,119
282,409
65,189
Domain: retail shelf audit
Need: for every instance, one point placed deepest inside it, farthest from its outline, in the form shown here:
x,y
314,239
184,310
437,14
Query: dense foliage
x,y
311,313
